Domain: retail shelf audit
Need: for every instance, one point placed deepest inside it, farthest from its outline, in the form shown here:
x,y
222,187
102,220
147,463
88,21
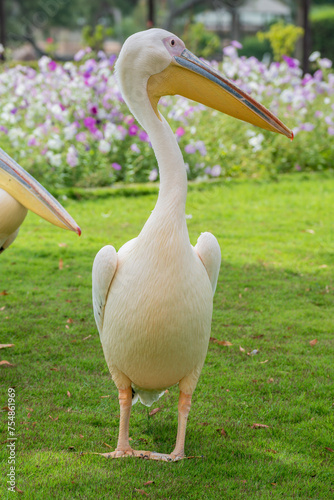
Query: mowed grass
x,y
275,295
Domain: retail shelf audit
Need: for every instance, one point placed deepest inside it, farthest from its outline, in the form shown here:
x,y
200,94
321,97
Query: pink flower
x,y
135,148
236,44
129,119
143,136
89,122
32,141
190,149
180,132
72,157
216,171
330,130
153,175
133,129
308,127
116,166
81,137
79,55
52,65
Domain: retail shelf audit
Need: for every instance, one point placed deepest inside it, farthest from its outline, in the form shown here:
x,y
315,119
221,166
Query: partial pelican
x,y
153,299
21,192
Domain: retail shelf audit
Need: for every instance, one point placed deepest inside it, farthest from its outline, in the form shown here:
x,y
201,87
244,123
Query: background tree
x,y
26,18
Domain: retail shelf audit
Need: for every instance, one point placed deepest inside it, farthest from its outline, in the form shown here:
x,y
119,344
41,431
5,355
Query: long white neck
x,y
173,175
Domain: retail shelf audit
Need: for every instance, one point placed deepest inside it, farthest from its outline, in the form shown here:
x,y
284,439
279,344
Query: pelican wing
x,y
104,269
208,250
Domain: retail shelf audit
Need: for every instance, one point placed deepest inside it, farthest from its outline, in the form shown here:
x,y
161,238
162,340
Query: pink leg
x,y
125,402
184,408
123,447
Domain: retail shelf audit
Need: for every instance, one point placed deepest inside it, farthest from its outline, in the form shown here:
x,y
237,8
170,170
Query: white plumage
x,y
153,298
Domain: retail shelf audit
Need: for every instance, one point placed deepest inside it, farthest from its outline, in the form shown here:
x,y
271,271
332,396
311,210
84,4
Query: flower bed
x,y
68,125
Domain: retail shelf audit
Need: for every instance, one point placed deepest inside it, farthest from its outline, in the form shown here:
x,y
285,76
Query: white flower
x,y
111,132
256,141
325,63
250,133
55,143
70,131
15,135
54,159
104,146
153,175
314,56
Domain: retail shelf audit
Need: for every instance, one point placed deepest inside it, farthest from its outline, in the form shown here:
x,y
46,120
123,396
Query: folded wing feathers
x,y
104,269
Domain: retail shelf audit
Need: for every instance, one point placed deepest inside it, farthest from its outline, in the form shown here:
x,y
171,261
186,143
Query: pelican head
x,y
20,192
156,63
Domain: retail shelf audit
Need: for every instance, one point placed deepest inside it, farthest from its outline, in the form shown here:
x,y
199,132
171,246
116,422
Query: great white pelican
x,y
153,298
20,192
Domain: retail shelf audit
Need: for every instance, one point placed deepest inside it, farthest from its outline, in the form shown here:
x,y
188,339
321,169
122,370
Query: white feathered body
x,y
157,319
12,214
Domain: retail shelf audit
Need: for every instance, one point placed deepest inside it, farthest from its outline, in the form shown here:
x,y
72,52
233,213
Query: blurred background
x,y
62,114
31,28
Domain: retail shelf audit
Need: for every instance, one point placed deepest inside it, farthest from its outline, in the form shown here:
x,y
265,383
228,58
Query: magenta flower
x,y
112,60
129,119
292,63
90,123
133,129
180,131
143,136
298,167
32,141
52,65
116,166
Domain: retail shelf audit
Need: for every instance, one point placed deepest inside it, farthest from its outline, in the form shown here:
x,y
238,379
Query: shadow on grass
x,y
65,397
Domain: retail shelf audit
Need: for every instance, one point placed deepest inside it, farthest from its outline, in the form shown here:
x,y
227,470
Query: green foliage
x,y
322,26
95,37
275,294
24,17
199,40
253,47
282,37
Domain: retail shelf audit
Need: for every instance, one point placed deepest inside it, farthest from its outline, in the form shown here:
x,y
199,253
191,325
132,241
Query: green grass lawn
x,y
275,294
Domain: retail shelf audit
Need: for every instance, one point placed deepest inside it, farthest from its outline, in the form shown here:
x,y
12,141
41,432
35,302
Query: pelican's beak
x,y
190,77
31,194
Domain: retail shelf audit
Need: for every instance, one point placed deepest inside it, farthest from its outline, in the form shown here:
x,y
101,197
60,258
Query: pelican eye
x,y
172,42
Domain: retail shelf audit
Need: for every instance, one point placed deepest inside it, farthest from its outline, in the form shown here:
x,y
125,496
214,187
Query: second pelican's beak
x,y
32,195
190,77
